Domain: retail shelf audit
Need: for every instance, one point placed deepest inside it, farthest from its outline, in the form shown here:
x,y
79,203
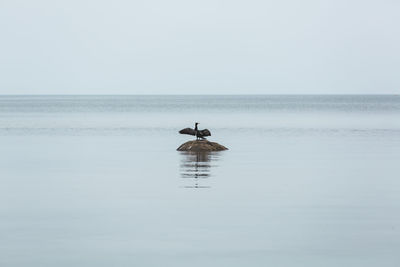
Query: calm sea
x,y
97,181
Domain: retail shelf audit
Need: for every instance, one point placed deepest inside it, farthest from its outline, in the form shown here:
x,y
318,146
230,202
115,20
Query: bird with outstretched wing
x,y
198,133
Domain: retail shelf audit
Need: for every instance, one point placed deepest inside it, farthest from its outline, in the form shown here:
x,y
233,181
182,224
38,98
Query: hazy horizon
x,y
266,94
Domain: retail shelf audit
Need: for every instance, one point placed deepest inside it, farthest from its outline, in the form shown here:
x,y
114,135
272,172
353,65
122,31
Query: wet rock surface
x,y
201,146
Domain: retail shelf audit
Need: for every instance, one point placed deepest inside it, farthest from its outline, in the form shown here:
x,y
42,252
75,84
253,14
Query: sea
x,y
93,181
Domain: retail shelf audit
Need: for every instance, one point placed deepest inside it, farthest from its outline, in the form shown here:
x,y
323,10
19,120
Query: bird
x,y
198,133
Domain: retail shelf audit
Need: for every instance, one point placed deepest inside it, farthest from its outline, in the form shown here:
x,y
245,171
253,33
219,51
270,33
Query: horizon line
x,y
305,94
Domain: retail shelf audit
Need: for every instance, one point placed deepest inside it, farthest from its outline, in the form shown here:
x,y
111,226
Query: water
x,y
96,181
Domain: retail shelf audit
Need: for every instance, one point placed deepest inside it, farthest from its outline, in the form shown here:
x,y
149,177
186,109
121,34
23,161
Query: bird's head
x,y
197,123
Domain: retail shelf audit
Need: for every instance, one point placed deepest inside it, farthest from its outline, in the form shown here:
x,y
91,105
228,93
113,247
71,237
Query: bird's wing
x,y
188,131
205,132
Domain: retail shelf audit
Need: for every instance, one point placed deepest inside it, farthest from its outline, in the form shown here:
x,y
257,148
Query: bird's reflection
x,y
196,168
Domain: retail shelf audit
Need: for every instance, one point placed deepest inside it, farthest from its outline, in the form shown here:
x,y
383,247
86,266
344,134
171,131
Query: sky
x,y
199,47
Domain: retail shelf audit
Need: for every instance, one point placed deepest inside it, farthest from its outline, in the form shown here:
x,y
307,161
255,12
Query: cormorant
x,y
198,133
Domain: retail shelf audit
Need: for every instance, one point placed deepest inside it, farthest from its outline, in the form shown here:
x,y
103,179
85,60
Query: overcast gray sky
x,y
199,47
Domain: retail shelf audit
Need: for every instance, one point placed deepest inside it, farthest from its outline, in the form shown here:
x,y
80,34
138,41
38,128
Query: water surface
x,y
97,181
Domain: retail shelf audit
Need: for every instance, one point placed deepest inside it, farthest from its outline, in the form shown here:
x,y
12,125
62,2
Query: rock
x,y
201,146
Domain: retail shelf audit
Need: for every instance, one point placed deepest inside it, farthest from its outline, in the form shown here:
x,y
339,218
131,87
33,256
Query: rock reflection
x,y
196,168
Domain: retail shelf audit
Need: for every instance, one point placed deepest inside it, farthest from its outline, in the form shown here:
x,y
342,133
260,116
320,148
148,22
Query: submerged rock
x,y
201,146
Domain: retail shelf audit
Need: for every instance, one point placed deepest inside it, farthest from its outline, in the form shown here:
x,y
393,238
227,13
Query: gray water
x,y
97,181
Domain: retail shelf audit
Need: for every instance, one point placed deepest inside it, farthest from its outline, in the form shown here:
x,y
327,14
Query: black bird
x,y
198,133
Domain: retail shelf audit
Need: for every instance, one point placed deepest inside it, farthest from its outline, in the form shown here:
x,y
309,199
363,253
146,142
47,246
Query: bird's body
x,y
200,134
